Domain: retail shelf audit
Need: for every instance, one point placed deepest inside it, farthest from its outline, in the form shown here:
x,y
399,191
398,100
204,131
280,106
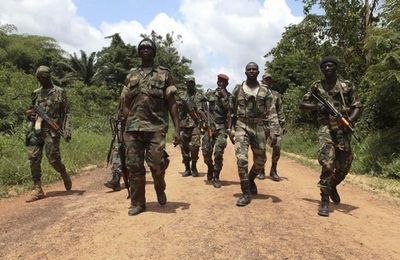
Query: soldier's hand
x,y
31,115
322,109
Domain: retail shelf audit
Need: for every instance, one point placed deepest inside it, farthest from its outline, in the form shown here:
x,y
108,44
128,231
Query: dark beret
x,y
328,59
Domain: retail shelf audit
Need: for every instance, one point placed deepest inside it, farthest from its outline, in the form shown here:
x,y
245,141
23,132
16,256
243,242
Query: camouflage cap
x,y
328,59
43,70
147,42
267,75
190,79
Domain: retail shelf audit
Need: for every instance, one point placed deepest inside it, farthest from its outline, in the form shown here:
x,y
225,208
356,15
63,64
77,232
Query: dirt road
x,y
201,222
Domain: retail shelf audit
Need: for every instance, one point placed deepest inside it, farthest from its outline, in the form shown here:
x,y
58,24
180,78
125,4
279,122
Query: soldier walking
x,y
335,155
218,117
254,109
147,97
276,149
51,100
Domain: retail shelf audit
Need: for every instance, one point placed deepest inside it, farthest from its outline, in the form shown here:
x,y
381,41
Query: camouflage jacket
x,y
258,109
188,104
54,103
343,96
145,96
219,108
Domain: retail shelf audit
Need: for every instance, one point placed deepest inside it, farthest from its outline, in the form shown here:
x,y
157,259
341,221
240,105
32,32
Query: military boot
x,y
334,195
159,186
195,173
210,171
66,179
245,199
215,181
273,173
187,172
324,207
37,192
253,186
138,197
114,183
261,175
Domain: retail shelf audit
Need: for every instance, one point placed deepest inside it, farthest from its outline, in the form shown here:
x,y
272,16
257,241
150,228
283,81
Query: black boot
x,y
66,179
261,175
324,207
138,197
273,173
187,172
334,195
253,186
195,173
245,199
114,182
210,171
215,181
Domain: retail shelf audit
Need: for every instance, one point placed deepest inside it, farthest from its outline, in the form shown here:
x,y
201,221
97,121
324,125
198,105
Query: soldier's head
x,y
190,84
222,80
147,49
267,79
43,75
328,66
252,70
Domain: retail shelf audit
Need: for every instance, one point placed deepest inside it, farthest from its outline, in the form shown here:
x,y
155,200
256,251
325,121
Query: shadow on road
x,y
170,207
259,196
342,207
64,193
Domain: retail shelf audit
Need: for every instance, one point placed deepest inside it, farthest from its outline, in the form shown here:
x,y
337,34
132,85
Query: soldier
x,y
217,112
189,104
335,155
145,101
53,101
276,149
254,109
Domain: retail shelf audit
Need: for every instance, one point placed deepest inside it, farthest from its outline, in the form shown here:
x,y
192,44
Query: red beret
x,y
223,76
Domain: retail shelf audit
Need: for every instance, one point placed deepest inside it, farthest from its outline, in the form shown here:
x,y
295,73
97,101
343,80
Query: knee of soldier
x,y
326,155
241,162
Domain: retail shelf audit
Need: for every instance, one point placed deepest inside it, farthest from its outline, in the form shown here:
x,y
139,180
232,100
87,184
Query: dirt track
x,y
201,222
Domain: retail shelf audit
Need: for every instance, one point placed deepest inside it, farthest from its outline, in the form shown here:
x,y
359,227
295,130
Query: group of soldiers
x,y
251,116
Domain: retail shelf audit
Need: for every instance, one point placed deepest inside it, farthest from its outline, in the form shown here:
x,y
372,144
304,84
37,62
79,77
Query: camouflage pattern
x,y
146,92
190,132
276,149
145,96
219,111
116,167
41,136
254,115
335,153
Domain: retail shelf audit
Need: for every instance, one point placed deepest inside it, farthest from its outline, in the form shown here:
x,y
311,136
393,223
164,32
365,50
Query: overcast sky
x,y
219,36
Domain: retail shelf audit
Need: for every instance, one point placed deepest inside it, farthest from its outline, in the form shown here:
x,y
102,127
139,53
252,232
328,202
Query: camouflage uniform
x,y
335,154
219,108
276,149
53,101
146,125
254,113
116,168
190,132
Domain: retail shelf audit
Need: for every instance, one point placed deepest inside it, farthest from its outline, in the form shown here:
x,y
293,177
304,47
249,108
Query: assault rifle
x,y
334,112
117,129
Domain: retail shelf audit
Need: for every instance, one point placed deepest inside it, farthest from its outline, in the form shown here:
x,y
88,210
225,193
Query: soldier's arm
x,y
279,110
170,93
355,105
66,119
308,104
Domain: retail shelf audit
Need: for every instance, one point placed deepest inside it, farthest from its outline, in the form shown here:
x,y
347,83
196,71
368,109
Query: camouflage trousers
x,y
252,135
190,144
51,145
276,149
216,143
335,156
141,146
116,167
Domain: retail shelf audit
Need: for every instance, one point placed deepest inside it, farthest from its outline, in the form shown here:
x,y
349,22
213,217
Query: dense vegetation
x,y
364,35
